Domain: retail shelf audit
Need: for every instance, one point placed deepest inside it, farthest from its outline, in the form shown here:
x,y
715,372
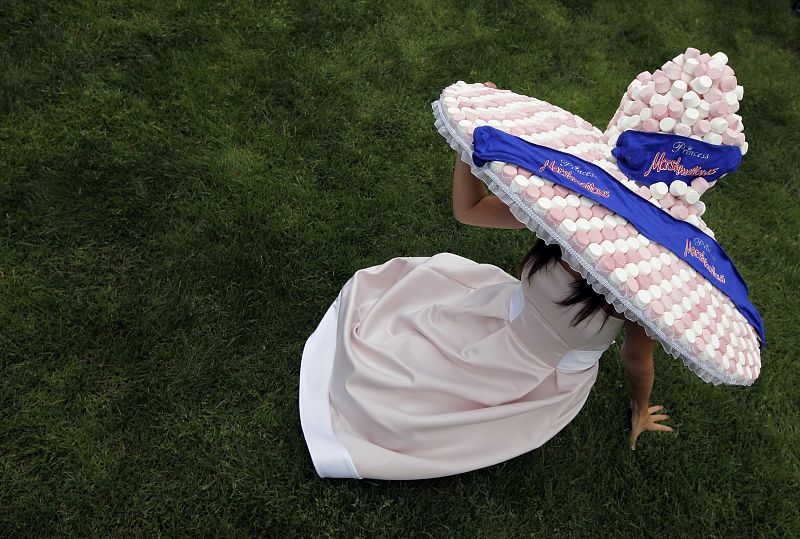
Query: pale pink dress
x,y
432,366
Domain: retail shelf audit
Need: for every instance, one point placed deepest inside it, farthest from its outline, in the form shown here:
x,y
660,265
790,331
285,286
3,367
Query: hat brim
x,y
742,369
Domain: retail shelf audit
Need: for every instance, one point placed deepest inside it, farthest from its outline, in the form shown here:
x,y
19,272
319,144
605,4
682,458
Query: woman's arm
x,y
637,358
473,206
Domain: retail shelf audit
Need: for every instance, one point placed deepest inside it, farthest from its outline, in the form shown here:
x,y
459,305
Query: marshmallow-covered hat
x,y
694,97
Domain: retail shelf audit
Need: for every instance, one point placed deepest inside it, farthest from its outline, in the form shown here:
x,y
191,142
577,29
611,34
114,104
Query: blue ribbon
x,y
656,157
688,242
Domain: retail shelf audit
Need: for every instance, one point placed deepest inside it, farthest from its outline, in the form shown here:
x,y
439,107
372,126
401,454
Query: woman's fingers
x,y
490,84
659,426
654,409
660,417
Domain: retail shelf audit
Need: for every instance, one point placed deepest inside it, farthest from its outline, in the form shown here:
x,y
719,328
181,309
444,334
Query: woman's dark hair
x,y
540,256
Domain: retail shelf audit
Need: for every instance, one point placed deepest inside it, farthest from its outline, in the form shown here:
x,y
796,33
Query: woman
x,y
432,366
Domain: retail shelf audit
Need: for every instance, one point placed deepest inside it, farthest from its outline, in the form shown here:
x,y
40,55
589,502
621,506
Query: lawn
x,y
185,187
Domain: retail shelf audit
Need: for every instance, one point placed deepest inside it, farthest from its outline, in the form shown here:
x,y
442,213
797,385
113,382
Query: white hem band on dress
x,y
330,456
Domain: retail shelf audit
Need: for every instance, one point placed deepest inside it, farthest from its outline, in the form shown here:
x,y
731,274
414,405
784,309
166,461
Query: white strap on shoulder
x,y
578,360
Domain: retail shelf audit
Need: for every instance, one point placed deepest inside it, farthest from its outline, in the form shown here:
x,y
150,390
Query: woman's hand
x,y
643,419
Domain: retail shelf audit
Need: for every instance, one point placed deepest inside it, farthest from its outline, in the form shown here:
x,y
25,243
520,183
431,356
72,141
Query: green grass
x,y
185,186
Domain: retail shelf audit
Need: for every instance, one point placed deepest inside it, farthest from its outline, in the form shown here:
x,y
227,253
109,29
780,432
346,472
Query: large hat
x,y
692,98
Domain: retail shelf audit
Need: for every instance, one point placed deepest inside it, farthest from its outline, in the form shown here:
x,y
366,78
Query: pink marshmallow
x,y
644,191
585,212
571,213
644,281
667,201
607,263
672,70
656,276
719,108
608,234
733,121
682,129
675,109
679,211
730,137
712,95
631,286
714,72
583,238
701,128
561,191
687,319
633,256
650,125
691,52
595,236
700,70
644,77
656,308
547,192
646,93
619,259
659,111
662,84
704,58
531,193
727,84
509,171
555,215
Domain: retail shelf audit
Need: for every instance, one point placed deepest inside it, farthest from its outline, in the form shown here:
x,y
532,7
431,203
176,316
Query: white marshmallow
x,y
608,247
713,138
690,336
730,98
690,116
678,89
542,205
719,125
659,190
701,84
667,124
646,114
567,227
691,99
632,269
678,188
573,201
519,184
704,108
745,147
691,195
655,291
642,298
720,57
690,65
621,245
593,252
618,276
583,225
739,92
